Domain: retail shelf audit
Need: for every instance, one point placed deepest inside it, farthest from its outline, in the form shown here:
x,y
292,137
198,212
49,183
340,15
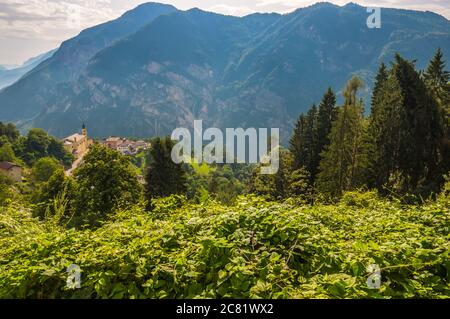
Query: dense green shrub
x,y
255,249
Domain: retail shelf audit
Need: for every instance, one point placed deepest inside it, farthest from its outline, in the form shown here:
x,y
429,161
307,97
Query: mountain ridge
x,y
9,76
259,70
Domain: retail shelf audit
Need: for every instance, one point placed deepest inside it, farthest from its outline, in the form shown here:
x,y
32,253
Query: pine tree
x,y
344,160
297,142
164,177
438,82
384,133
380,80
437,79
326,116
303,144
406,131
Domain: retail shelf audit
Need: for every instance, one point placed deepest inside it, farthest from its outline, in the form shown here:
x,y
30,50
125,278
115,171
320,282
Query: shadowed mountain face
x,y
257,71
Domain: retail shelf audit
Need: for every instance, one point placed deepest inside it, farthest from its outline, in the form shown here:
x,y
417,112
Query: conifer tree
x,y
326,116
297,142
344,160
380,80
303,144
437,79
311,135
384,133
406,131
164,177
438,82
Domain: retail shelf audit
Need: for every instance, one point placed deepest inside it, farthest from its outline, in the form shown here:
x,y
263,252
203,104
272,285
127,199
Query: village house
x,y
12,171
113,142
125,146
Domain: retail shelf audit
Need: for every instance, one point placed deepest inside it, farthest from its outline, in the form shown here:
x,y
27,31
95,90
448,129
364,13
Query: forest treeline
x,y
401,149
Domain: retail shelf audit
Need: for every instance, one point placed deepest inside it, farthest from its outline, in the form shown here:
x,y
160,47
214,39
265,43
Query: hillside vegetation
x,y
256,249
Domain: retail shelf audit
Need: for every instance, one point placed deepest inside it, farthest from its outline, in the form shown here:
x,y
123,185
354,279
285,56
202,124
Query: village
x,y
78,145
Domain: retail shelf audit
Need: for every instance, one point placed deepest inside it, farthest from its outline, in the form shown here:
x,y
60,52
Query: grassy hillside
x,y
255,249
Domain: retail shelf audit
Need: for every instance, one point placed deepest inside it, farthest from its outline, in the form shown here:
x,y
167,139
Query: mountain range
x,y
11,74
157,68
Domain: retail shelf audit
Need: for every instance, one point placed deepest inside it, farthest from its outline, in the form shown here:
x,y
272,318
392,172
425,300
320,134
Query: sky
x,y
31,27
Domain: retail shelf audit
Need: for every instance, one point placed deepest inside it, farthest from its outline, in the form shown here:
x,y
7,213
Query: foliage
x,y
38,144
6,190
106,181
311,135
344,161
438,79
7,153
49,192
9,131
164,177
44,168
407,133
254,249
274,186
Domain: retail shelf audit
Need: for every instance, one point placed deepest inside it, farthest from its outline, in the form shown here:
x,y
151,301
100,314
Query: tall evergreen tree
x,y
406,131
344,160
297,142
311,135
303,144
384,133
437,79
326,116
380,80
164,177
438,82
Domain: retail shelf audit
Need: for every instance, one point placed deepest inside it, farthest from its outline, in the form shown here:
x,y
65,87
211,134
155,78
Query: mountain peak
x,y
147,8
352,5
158,68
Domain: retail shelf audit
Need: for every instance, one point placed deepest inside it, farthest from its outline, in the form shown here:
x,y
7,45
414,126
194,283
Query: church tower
x,y
84,130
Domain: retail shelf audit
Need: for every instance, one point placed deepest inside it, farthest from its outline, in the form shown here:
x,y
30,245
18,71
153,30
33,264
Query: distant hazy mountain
x,y
9,75
32,94
261,70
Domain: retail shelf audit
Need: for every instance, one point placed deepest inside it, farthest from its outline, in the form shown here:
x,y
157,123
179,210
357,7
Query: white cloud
x,y
230,10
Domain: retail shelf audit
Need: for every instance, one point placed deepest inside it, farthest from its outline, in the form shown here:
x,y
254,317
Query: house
x,y
141,145
113,142
125,148
11,170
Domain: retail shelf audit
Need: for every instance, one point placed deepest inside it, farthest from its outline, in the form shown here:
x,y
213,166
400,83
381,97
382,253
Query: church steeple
x,y
84,130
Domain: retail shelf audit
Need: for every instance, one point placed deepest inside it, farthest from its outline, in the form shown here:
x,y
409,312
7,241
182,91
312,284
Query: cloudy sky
x,y
31,27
